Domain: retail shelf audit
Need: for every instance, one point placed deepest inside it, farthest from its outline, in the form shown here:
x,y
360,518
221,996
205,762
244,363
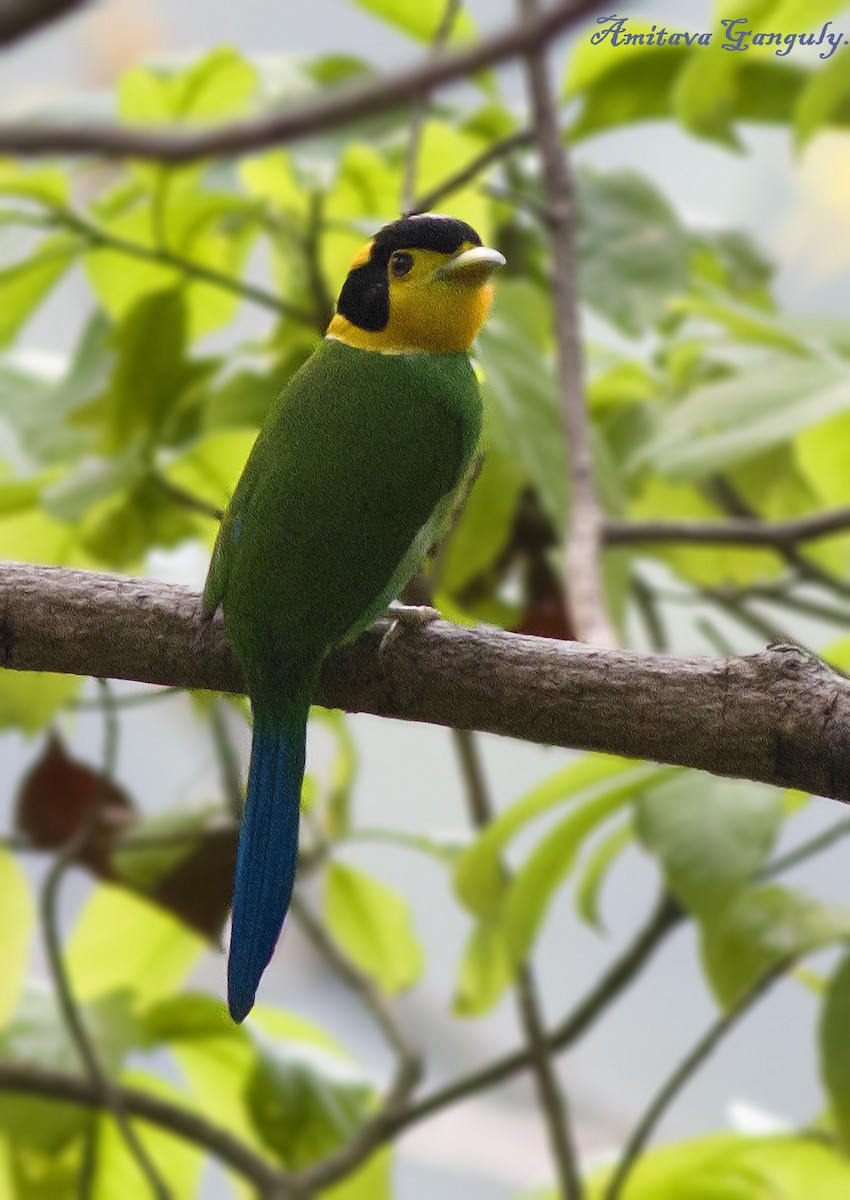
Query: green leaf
x,y
824,99
726,423
121,942
178,1161
485,525
823,455
25,284
761,929
421,20
18,927
732,1167
521,409
599,862
372,924
38,1035
709,835
834,1048
633,252
220,83
30,699
150,370
529,896
485,971
337,790
47,185
479,879
304,1104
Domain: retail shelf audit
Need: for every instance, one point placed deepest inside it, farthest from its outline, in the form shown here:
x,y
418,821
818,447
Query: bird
x,y
353,472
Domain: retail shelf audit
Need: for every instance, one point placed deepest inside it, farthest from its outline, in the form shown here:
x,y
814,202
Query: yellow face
x,y
437,302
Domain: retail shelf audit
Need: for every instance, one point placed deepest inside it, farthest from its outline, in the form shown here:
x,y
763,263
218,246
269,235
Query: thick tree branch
x,y
582,560
21,17
279,128
781,716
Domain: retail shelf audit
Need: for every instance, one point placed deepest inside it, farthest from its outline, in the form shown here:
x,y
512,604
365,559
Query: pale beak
x,y
473,267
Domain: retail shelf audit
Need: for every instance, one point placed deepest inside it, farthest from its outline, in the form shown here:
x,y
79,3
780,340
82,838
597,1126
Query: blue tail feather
x,y
266,858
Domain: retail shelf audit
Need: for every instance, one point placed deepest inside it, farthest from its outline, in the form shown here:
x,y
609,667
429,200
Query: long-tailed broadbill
x,y
351,475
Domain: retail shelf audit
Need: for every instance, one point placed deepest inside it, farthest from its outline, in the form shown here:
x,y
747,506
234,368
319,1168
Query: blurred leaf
x,y
834,1049
733,1167
823,455
530,894
48,185
190,877
633,252
56,798
29,699
150,370
479,880
485,971
38,1035
522,417
485,525
219,83
373,1181
121,942
27,283
709,835
343,769
445,150
724,423
742,322
761,929
178,1161
304,1101
823,99
595,871
18,910
273,176
372,924
421,20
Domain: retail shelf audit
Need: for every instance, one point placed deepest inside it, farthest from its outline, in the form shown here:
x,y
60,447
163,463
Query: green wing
x,y
337,503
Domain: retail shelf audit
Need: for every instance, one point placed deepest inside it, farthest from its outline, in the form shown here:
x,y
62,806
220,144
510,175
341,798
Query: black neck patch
x,y
365,296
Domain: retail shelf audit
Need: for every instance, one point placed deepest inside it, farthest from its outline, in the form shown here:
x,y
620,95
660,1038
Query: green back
x,y
352,460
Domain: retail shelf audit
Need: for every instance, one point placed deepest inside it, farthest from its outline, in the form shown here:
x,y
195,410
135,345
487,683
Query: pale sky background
x,y
492,1147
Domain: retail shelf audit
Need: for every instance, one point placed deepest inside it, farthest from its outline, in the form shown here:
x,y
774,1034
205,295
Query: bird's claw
x,y
405,617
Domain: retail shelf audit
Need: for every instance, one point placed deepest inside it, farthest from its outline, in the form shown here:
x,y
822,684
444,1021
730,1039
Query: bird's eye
x,y
401,263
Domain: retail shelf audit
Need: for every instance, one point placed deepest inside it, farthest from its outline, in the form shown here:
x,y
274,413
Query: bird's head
x,y
421,285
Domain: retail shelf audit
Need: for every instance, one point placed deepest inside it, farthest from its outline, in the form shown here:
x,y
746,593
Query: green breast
x,y
351,462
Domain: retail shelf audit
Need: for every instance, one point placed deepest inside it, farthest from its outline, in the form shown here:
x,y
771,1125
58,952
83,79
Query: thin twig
x,y
101,239
740,531
494,153
185,498
552,1100
647,605
96,704
407,1073
71,1014
420,107
583,585
806,850
665,917
28,1079
227,760
18,18
282,128
673,1085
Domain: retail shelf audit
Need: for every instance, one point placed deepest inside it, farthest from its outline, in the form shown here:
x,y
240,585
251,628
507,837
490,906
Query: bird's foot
x,y
405,617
